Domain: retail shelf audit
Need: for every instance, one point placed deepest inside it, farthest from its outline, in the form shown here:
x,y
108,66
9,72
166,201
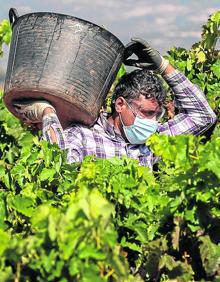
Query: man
x,y
137,105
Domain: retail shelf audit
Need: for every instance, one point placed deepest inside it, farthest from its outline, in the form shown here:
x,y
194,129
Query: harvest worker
x,y
137,108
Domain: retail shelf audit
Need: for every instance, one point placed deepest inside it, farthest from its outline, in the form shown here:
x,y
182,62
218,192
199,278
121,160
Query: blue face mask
x,y
140,130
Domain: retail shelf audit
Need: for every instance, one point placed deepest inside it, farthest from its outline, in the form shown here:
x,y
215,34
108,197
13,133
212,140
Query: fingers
x,y
138,64
18,107
133,46
136,46
30,122
148,57
145,66
140,41
129,45
26,120
130,48
131,62
145,45
21,104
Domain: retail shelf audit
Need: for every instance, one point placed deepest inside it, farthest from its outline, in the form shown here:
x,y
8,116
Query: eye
x,y
148,113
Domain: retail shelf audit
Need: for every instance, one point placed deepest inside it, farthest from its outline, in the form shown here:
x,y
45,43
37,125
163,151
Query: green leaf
x,y
189,64
91,273
4,241
215,17
47,174
2,211
40,216
91,252
201,57
52,226
131,246
99,206
216,69
210,255
24,205
74,266
168,262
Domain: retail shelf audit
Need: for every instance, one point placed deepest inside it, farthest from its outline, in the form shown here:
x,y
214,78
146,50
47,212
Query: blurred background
x,y
174,23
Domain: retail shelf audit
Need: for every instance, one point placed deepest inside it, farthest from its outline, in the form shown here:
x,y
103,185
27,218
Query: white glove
x,y
32,110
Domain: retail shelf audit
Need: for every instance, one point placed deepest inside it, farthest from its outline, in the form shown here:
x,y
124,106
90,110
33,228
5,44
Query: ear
x,y
119,104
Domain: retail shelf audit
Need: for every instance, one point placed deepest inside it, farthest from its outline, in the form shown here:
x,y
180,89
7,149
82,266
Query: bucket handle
x,y
13,16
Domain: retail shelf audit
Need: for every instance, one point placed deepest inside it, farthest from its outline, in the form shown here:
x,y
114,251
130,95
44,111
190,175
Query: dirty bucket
x,y
65,60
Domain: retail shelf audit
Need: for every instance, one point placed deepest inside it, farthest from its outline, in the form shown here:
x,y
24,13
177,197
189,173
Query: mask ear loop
x,y
121,119
161,115
133,112
120,113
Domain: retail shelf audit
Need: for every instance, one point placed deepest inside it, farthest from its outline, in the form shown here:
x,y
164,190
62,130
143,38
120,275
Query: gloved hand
x,y
147,57
32,110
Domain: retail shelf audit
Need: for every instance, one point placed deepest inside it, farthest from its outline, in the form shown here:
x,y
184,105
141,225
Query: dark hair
x,y
137,82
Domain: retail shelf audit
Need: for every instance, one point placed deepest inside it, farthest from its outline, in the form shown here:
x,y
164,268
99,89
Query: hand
x,y
31,111
147,57
170,109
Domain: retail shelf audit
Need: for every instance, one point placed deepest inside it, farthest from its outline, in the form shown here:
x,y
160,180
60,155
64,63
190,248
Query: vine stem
x,y
18,272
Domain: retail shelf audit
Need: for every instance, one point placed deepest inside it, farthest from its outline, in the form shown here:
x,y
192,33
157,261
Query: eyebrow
x,y
149,109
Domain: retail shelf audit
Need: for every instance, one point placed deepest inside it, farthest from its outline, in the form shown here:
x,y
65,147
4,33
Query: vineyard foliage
x,y
201,63
113,220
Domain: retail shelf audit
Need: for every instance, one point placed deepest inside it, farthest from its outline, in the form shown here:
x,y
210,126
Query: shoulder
x,y
75,129
80,130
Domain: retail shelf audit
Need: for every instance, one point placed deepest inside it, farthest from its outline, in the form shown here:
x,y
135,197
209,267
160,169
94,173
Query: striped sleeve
x,y
68,139
74,144
52,121
195,115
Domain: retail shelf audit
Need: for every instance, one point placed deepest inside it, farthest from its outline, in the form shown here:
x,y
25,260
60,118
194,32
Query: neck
x,y
115,120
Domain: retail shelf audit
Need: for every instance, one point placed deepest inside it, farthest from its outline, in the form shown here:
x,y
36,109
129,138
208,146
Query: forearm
x,y
51,133
52,129
195,114
70,139
168,70
188,97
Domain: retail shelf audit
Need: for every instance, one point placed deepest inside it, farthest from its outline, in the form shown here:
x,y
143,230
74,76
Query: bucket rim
x,y
67,16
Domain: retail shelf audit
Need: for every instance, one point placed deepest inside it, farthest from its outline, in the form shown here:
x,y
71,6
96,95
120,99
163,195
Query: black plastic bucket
x,y
65,60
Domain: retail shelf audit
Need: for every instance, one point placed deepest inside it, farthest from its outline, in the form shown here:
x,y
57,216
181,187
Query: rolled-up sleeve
x,y
68,139
51,121
195,114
